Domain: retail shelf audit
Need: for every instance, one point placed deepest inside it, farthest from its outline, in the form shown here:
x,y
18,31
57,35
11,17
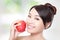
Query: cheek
x,y
39,23
39,26
27,21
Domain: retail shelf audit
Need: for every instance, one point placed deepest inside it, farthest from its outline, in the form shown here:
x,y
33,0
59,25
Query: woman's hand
x,y
13,32
17,27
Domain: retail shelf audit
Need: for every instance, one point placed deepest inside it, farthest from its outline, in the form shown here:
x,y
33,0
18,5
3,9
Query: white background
x,y
53,33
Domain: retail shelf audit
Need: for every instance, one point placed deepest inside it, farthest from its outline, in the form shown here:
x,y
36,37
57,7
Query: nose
x,y
31,20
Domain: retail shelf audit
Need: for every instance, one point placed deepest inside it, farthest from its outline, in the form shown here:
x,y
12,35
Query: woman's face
x,y
34,22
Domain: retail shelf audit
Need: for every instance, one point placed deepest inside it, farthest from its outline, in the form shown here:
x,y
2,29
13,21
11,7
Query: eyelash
x,y
34,18
37,18
29,16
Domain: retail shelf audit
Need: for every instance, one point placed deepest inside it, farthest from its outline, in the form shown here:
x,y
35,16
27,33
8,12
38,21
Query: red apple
x,y
20,26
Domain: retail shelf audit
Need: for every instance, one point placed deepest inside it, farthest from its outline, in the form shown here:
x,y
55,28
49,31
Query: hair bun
x,y
48,4
52,7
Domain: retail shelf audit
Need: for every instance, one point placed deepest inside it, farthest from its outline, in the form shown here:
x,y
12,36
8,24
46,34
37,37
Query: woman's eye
x,y
29,16
37,18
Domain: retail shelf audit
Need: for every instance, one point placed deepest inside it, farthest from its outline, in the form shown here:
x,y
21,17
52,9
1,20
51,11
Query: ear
x,y
47,25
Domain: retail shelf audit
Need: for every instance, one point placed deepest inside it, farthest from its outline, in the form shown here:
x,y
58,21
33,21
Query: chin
x,y
32,31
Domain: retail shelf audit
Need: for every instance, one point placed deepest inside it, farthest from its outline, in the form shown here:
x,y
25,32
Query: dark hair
x,y
46,12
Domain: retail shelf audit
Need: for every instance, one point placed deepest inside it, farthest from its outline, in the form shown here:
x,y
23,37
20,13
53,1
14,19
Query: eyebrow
x,y
37,15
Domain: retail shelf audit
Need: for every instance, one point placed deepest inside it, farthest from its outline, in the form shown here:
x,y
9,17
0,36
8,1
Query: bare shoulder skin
x,y
22,38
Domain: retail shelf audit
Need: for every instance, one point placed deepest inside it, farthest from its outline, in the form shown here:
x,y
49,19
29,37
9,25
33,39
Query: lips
x,y
31,27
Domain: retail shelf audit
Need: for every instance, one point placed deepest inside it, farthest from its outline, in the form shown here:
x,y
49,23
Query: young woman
x,y
40,18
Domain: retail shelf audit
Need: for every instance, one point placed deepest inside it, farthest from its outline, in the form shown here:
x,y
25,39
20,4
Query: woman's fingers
x,y
17,27
13,32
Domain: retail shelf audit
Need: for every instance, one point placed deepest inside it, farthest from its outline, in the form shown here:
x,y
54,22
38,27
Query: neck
x,y
36,36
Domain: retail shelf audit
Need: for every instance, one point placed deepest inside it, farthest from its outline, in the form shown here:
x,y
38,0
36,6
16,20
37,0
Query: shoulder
x,y
21,37
18,38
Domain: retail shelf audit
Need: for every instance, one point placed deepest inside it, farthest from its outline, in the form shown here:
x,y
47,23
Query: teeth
x,y
30,27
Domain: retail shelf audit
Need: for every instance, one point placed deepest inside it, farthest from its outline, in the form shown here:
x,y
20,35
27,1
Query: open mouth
x,y
31,27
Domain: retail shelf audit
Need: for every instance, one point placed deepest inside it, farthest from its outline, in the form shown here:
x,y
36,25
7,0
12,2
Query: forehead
x,y
33,11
